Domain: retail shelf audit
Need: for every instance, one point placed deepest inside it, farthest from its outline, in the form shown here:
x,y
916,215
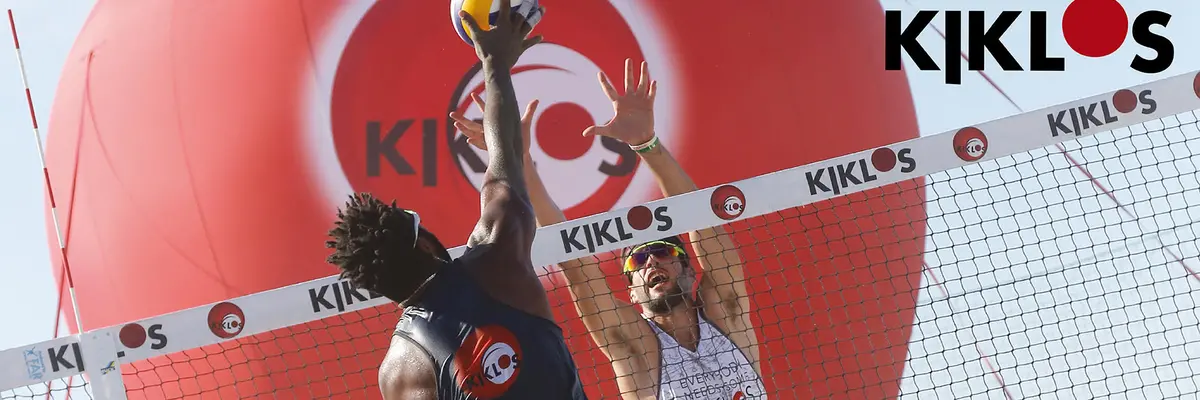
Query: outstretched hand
x,y
474,130
633,123
501,46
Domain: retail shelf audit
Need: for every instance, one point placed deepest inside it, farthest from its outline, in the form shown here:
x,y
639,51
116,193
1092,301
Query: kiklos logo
x,y
226,320
728,202
488,362
1092,28
1086,118
970,144
389,132
837,178
589,236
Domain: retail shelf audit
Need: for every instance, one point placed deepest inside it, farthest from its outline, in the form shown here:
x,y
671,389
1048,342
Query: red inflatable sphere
x,y
199,151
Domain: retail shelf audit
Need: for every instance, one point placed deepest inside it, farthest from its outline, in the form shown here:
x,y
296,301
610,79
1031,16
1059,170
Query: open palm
x,y
474,130
633,122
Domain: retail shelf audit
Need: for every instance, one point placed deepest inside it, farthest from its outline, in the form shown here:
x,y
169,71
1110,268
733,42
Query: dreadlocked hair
x,y
373,246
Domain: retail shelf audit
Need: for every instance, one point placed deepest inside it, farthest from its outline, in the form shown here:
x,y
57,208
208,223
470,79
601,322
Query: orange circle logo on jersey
x,y
395,85
488,362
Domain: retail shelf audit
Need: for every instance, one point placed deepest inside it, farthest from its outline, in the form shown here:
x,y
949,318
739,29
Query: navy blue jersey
x,y
485,349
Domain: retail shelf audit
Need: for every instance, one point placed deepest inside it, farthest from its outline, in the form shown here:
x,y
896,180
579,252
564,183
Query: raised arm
x,y
722,286
606,318
506,218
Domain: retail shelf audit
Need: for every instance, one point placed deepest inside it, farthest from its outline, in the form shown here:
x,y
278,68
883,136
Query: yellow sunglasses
x,y
642,253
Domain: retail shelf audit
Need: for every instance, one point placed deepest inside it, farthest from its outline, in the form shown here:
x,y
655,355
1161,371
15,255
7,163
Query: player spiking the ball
x,y
479,326
693,344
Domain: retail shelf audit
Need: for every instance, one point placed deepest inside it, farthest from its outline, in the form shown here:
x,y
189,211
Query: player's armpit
x,y
610,321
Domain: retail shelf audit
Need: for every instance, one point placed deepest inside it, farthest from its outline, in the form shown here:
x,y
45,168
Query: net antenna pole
x,y
62,245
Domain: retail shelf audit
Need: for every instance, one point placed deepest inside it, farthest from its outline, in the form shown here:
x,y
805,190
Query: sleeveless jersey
x,y
717,370
484,349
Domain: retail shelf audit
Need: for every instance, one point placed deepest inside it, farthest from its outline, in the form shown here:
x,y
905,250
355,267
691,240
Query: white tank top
x,y
717,370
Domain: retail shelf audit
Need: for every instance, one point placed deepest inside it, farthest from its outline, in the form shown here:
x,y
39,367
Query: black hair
x,y
675,240
374,246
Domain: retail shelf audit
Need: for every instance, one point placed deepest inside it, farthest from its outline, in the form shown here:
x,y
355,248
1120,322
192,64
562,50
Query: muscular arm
x,y
723,285
610,322
407,373
506,219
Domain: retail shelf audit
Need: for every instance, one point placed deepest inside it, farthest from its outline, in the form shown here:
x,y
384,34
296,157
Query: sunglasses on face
x,y
641,254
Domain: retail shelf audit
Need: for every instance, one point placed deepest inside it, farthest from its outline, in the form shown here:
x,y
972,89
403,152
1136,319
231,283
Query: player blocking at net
x,y
693,344
478,326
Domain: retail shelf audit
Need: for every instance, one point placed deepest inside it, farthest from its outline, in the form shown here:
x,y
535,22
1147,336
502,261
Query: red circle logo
x,y
970,144
132,336
488,362
1095,28
226,320
728,202
1124,101
390,98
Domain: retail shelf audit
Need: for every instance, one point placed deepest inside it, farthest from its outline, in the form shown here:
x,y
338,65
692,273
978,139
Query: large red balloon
x,y
200,148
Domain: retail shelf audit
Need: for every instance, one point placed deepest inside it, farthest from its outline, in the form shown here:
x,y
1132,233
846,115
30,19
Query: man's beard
x,y
668,301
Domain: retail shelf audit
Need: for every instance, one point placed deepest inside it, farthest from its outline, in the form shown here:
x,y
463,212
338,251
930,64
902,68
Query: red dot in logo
x,y
504,362
639,217
132,336
1196,85
1124,100
884,159
1095,28
559,131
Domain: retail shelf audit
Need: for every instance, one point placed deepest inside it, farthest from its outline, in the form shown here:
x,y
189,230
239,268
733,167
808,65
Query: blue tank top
x,y
485,349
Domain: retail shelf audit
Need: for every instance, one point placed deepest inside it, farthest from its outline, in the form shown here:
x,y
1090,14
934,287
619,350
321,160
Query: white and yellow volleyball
x,y
485,12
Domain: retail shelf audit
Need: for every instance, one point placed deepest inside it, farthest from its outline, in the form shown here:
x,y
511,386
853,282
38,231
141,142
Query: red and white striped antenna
x,y
62,245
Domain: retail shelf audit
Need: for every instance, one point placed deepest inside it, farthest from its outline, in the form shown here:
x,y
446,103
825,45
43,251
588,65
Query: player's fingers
x,y
472,26
653,90
630,80
529,110
609,90
530,42
470,129
644,79
505,11
595,130
478,101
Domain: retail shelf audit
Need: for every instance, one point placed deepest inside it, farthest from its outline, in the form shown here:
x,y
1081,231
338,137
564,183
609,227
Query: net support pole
x,y
101,365
37,136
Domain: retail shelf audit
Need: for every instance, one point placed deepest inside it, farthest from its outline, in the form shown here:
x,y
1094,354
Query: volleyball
x,y
485,12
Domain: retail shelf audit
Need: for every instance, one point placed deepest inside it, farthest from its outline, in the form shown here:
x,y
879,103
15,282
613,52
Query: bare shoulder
x,y
407,372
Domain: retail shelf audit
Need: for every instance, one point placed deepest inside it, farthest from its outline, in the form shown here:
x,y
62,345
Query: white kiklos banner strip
x,y
868,169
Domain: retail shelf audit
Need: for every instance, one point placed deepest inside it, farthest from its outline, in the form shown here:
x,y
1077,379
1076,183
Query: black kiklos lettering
x,y
816,181
1075,122
1056,123
601,231
381,147
1144,36
570,240
1088,116
660,214
983,40
1151,105
846,175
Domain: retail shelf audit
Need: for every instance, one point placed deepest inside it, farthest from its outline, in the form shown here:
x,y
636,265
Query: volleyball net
x,y
1050,254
